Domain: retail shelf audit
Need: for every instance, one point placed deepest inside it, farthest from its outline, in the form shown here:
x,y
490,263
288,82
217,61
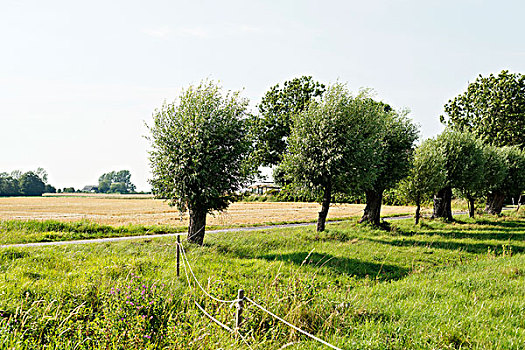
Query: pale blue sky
x,y
79,78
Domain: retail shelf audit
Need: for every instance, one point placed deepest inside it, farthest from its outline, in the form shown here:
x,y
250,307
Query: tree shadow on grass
x,y
477,234
475,248
496,231
321,261
341,265
503,223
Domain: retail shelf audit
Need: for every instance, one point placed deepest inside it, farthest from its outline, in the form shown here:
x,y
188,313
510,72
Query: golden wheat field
x,y
119,210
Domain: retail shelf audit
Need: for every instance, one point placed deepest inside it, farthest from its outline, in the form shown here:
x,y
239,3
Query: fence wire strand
x,y
292,326
198,283
186,261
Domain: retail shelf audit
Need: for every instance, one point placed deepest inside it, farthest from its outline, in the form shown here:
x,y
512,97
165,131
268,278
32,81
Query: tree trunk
x,y
325,205
418,210
197,225
443,204
471,207
372,212
494,203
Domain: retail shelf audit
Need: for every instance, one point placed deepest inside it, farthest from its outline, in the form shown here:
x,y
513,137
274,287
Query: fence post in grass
x,y
240,306
178,255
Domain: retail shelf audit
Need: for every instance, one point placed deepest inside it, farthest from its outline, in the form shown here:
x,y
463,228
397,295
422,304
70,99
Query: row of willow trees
x,y
461,161
326,140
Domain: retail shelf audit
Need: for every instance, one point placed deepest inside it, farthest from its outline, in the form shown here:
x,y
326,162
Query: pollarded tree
x,y
513,183
392,162
492,108
473,180
464,164
426,176
494,173
199,152
333,145
276,111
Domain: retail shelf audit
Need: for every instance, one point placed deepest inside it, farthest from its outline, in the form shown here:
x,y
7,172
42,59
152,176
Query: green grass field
x,y
435,286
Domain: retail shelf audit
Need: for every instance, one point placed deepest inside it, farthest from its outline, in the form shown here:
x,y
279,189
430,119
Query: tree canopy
x,y
31,183
116,182
513,182
492,108
276,111
200,152
427,174
332,145
464,166
392,159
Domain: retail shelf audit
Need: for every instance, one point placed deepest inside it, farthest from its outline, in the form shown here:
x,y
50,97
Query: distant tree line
x,y
31,183
116,182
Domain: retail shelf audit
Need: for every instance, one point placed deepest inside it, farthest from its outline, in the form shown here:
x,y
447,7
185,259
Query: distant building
x,y
89,188
263,187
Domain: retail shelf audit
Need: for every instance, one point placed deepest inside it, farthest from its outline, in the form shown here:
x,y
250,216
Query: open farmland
x,y
119,210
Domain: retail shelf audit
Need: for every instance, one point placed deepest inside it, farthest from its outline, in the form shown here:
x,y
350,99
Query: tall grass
x,y
22,231
435,286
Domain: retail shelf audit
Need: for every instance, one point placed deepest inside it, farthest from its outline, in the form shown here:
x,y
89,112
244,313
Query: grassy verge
x,y
33,231
30,231
441,285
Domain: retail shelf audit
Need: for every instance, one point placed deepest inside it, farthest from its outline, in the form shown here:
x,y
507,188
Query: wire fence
x,y
239,303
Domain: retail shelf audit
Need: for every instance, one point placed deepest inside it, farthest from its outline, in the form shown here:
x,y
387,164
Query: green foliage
x,y
394,157
493,108
49,189
397,195
68,190
334,142
31,184
24,184
116,182
464,160
514,182
428,173
200,148
32,231
495,169
8,185
277,108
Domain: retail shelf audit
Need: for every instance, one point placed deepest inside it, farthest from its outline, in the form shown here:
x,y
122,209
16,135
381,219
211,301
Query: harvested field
x,y
143,210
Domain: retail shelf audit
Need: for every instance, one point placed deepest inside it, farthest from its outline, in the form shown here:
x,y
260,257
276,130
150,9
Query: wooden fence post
x,y
240,306
178,255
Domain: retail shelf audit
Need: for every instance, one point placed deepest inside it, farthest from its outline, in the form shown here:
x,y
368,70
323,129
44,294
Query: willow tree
x,y
392,160
427,175
494,173
464,166
333,144
513,183
200,152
